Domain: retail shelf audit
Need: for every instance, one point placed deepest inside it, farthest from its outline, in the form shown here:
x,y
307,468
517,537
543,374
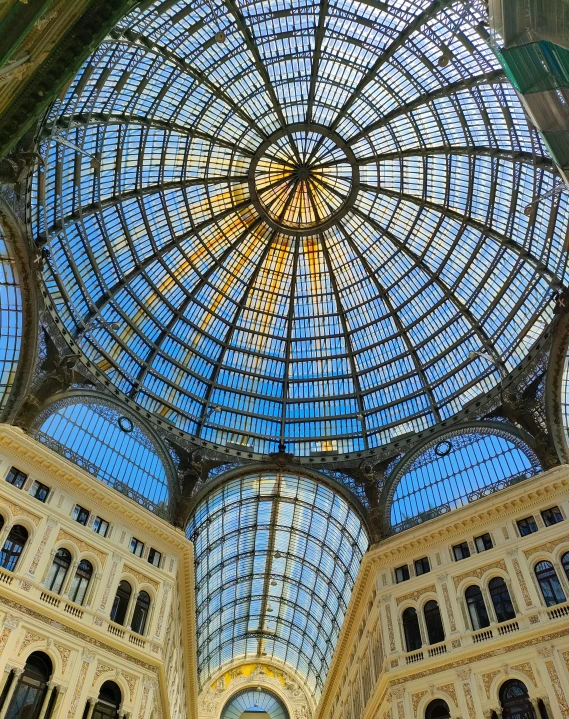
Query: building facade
x,y
93,589
462,610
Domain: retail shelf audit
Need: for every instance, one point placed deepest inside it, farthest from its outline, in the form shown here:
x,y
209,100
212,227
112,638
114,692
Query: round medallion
x,y
303,178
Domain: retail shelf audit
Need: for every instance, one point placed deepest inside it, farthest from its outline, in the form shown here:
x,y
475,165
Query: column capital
x,y
18,670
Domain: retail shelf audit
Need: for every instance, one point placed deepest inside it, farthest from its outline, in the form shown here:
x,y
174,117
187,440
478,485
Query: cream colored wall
x,y
155,672
373,676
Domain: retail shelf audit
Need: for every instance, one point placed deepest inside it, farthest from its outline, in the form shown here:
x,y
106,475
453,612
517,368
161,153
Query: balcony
x,y
74,613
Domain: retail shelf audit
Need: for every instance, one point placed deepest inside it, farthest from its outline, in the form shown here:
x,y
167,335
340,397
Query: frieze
x,y
41,548
131,683
78,689
479,572
414,596
83,546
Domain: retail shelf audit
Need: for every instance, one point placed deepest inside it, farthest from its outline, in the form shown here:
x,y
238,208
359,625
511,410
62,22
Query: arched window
x,y
141,611
515,701
120,604
108,702
564,562
27,697
58,571
549,583
501,600
411,629
13,547
437,709
476,608
434,622
80,582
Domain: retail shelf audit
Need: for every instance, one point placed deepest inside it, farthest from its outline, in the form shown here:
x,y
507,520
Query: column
x,y
92,702
95,579
4,679
46,700
68,578
16,672
60,694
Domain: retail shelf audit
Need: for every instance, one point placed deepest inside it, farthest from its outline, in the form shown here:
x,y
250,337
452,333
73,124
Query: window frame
x,y
18,474
482,537
461,546
552,509
134,545
530,523
421,563
400,574
76,513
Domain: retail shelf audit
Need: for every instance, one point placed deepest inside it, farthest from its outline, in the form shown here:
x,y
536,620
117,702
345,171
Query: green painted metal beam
x,y
61,65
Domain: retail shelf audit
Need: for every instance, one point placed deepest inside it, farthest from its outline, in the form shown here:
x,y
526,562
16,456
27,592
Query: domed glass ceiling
x,y
298,236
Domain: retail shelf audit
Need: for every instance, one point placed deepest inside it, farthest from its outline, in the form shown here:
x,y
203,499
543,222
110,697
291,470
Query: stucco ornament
x,y
214,697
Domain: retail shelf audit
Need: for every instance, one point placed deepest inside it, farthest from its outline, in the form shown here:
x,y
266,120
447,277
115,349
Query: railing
x,y
558,611
6,577
482,636
52,599
139,641
116,629
73,610
437,649
415,657
36,592
508,627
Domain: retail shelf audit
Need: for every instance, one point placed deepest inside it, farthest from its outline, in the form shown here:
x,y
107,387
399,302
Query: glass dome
x,y
299,223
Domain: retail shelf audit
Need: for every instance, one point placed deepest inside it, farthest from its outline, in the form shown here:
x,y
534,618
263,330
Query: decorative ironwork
x,y
295,340
274,551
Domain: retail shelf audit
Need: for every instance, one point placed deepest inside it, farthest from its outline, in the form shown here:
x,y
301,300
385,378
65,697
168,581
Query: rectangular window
x,y
402,574
422,566
80,514
461,551
136,547
100,526
527,526
483,543
552,516
16,477
39,491
154,557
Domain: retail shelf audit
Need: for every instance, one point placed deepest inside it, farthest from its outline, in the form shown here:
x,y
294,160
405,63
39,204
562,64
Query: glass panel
x,y
277,556
207,252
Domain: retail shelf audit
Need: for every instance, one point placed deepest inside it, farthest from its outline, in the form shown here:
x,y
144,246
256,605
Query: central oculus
x,y
303,178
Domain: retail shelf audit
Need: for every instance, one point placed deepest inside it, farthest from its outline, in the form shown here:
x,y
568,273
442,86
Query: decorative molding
x,y
479,572
390,627
450,690
521,582
18,511
140,577
416,700
29,638
414,596
78,689
557,688
527,669
82,545
64,654
546,546
448,606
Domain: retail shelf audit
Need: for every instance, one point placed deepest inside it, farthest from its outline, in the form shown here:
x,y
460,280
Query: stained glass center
x,y
302,179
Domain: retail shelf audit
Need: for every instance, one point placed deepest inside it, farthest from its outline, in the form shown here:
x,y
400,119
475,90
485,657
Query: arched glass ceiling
x,y
456,469
108,445
277,556
301,232
10,319
255,702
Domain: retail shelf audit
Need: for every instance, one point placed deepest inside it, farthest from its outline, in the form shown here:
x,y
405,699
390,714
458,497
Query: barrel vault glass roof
x,y
277,556
299,234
